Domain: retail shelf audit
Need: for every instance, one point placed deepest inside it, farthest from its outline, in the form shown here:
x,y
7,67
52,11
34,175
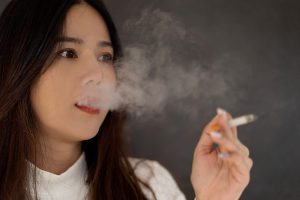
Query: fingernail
x,y
216,134
223,155
222,112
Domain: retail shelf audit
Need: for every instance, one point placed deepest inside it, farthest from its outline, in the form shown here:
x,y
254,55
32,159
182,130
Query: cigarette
x,y
245,119
242,120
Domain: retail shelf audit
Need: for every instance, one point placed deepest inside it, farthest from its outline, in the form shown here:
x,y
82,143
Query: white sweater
x,y
70,185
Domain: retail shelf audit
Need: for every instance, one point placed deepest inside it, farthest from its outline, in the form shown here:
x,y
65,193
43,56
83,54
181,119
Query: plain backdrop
x,y
259,41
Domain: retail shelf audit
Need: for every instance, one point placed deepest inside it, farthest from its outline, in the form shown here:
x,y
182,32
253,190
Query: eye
x,y
107,58
68,53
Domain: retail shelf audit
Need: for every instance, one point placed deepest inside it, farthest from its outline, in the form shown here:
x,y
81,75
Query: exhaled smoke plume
x,y
158,70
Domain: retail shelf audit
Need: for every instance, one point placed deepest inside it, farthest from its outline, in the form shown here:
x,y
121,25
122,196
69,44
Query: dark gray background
x,y
264,36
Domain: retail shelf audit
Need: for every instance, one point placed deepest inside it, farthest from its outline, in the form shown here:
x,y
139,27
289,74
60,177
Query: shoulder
x,y
158,178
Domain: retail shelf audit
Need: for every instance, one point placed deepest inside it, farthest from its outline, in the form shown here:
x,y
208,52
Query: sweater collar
x,y
73,177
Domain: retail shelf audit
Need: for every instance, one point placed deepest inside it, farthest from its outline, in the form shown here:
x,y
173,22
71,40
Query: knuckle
x,y
247,179
238,159
246,150
250,162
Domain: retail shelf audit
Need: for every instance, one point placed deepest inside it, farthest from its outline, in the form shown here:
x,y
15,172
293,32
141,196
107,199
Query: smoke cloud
x,y
163,67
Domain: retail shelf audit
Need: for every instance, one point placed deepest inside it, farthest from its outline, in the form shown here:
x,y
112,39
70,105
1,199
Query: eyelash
x,y
109,57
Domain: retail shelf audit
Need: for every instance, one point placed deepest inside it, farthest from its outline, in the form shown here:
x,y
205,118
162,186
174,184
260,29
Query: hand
x,y
224,172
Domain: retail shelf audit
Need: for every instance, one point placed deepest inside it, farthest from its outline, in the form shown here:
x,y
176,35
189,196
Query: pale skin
x,y
85,60
62,126
217,177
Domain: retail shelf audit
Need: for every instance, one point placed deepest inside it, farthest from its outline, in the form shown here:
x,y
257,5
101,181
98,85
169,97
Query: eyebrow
x,y
80,41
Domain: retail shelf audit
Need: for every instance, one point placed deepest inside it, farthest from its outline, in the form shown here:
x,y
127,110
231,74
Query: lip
x,y
89,110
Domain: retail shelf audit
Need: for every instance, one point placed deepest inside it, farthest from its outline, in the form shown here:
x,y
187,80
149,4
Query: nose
x,y
94,75
93,78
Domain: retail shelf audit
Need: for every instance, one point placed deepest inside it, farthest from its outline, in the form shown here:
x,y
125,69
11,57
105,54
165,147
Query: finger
x,y
242,178
226,116
230,131
225,128
229,144
245,150
205,144
225,143
240,160
240,169
241,163
234,128
205,139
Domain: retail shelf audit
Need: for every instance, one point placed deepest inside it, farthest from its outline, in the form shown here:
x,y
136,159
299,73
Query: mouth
x,y
88,109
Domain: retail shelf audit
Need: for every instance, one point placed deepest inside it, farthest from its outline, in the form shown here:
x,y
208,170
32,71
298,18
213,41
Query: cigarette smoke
x,y
162,67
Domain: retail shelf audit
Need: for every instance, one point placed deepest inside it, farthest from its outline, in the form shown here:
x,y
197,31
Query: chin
x,y
84,130
89,136
84,133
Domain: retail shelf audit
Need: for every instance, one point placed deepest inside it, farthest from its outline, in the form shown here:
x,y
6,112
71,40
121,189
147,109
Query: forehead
x,y
85,22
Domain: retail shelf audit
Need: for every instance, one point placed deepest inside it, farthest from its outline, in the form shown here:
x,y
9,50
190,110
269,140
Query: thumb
x,y
205,141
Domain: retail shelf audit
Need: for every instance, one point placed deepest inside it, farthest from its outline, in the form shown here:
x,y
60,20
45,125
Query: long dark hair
x,y
28,29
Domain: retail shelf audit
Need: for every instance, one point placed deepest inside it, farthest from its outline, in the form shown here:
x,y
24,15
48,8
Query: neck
x,y
56,157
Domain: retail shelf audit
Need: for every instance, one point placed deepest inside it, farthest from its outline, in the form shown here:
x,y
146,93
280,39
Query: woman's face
x,y
84,59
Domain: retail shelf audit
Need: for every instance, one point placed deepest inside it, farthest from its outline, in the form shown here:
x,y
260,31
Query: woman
x,y
54,147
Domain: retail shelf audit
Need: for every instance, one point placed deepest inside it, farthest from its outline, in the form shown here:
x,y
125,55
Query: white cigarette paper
x,y
245,119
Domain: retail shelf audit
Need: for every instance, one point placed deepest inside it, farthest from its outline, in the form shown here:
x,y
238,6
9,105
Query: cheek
x,y
110,75
48,101
58,117
49,96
